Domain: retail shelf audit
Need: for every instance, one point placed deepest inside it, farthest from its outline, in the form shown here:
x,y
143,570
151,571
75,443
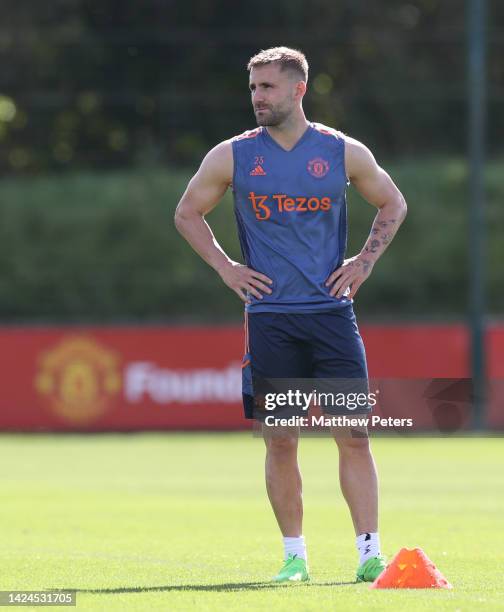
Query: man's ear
x,y
300,89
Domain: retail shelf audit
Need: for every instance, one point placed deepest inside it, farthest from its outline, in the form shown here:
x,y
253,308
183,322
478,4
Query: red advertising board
x,y
132,378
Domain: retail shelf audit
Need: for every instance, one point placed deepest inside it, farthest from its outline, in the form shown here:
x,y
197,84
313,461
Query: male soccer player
x,y
288,178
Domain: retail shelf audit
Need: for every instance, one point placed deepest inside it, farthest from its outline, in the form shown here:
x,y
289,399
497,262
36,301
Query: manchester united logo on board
x,y
318,167
79,378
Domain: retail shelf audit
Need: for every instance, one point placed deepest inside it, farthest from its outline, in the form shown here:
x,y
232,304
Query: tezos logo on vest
x,y
283,203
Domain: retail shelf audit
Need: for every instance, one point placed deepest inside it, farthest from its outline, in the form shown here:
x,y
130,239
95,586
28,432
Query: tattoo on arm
x,y
382,232
373,247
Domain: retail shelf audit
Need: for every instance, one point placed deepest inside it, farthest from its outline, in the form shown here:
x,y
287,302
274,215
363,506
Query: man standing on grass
x,y
289,178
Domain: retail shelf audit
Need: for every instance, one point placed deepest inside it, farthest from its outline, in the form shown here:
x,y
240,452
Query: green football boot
x,y
371,569
293,570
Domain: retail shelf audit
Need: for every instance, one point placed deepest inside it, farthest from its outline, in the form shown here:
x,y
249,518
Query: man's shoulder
x,y
328,131
248,134
221,151
354,150
219,161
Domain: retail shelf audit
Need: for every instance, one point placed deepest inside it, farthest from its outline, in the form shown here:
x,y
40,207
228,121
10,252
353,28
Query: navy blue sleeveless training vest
x,y
290,208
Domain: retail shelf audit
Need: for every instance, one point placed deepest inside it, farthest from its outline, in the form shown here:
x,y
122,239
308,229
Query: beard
x,y
271,116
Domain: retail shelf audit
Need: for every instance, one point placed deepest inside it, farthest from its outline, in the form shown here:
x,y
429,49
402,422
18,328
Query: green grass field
x,y
182,522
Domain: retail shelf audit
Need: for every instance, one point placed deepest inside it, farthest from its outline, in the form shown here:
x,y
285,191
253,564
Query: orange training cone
x,y
411,568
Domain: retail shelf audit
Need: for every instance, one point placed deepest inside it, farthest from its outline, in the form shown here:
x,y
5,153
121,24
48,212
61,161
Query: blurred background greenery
x,y
106,109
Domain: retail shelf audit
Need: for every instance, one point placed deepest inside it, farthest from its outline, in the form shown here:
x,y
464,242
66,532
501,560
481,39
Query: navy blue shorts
x,y
302,346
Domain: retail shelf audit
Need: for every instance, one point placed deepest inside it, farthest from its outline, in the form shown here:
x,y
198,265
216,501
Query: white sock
x,y
368,545
295,546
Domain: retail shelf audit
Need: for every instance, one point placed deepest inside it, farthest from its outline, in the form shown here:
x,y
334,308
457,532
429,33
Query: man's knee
x,y
281,444
353,445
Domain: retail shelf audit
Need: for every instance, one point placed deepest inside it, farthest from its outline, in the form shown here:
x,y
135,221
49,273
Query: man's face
x,y
273,93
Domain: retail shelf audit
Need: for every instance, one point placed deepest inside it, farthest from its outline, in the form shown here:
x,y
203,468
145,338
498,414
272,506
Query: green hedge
x,y
103,247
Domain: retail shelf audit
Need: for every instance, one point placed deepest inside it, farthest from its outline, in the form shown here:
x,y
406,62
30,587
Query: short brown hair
x,y
288,59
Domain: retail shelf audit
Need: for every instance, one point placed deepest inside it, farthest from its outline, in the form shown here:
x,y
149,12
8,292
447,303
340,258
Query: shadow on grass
x,y
228,586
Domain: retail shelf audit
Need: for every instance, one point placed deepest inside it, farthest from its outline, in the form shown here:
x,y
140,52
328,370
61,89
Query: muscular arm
x,y
202,195
376,186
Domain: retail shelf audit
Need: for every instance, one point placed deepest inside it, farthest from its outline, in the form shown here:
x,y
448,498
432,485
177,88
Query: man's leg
x,y
359,485
284,487
339,354
283,479
359,481
278,350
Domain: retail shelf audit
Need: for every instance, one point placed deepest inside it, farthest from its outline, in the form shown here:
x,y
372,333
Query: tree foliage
x,y
108,83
